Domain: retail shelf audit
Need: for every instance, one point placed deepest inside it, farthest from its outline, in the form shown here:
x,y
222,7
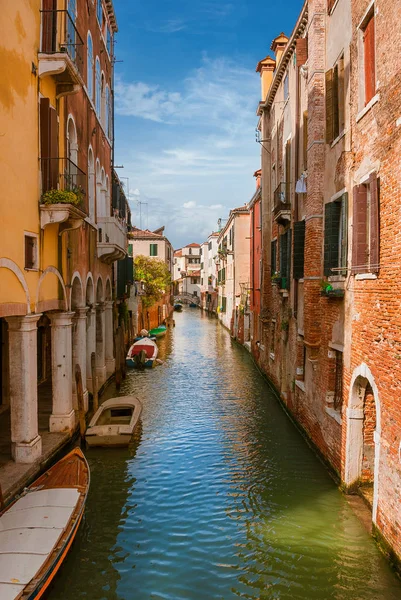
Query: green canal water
x,y
219,496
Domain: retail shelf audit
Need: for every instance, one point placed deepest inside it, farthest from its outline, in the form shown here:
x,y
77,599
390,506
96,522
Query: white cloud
x,y
169,26
203,147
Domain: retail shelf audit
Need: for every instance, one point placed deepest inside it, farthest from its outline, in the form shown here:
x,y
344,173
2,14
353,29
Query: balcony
x,y
61,52
112,239
63,194
282,204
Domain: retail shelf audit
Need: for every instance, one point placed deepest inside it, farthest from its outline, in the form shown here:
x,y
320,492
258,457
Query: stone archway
x,y
363,434
90,330
100,333
78,337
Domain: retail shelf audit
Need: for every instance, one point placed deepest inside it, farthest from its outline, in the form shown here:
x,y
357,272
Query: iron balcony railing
x,y
63,174
282,198
59,34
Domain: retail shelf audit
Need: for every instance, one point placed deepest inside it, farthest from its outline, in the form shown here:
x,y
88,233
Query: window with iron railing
x,y
60,35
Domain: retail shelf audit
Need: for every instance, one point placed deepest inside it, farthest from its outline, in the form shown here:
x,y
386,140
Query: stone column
x,y
109,343
100,344
26,443
79,353
90,345
63,415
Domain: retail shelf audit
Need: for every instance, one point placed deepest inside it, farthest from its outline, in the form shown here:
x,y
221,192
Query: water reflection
x,y
221,498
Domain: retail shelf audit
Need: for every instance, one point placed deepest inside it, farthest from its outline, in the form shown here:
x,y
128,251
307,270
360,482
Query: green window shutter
x,y
273,267
344,234
299,250
285,259
332,214
153,250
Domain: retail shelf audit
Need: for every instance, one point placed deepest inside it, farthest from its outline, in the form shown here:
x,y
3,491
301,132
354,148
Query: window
x,y
107,124
366,227
369,57
299,250
285,254
286,87
195,280
223,304
108,40
273,267
335,101
335,236
130,250
99,12
153,250
31,251
98,88
190,251
338,384
90,66
210,245
272,336
103,101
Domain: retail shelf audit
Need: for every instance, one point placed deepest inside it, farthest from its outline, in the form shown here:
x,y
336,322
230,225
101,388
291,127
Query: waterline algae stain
x,y
219,496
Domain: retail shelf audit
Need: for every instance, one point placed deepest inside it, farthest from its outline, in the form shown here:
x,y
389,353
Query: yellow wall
x,y
19,151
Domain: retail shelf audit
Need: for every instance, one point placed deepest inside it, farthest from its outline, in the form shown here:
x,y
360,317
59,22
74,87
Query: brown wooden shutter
x,y
305,139
329,106
49,26
302,51
369,60
336,125
54,166
359,230
288,172
374,255
341,95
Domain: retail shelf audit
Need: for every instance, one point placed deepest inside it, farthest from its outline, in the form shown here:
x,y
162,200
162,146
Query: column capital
x,y
80,312
100,306
109,304
61,319
25,323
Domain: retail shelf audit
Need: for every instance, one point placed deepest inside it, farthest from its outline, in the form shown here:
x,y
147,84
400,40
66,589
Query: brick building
x,y
330,144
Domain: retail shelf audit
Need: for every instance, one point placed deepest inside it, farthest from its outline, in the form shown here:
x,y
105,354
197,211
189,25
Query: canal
x,y
219,496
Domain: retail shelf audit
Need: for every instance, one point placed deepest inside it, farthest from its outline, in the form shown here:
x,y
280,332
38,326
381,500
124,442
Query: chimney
x,y
258,176
266,69
278,45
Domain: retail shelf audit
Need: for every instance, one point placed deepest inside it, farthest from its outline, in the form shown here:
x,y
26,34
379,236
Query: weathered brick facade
x,y
331,241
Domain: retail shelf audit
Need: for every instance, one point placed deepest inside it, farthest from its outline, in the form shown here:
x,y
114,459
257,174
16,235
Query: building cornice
x,y
288,52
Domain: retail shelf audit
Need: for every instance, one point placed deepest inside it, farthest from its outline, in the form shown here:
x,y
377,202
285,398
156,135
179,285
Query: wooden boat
x,y
158,332
37,530
193,305
178,307
114,422
142,353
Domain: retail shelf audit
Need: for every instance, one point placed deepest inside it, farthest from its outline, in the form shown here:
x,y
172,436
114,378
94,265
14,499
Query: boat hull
x,y
149,364
114,422
59,496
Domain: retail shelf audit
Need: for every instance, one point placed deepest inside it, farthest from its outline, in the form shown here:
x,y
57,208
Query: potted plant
x,y
327,290
73,196
276,278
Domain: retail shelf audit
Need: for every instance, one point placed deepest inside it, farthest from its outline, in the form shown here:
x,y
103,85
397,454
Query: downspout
x,y
296,212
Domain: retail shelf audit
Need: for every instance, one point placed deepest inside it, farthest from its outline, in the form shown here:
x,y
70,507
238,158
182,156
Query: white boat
x,y
37,530
114,422
142,353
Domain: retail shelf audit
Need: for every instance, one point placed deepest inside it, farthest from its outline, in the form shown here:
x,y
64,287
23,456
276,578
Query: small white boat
x,y
142,353
114,422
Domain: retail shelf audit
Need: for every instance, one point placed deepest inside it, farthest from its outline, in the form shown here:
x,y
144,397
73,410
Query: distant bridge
x,y
186,298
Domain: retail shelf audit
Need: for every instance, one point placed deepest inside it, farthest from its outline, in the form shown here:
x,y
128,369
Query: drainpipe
x,y
296,213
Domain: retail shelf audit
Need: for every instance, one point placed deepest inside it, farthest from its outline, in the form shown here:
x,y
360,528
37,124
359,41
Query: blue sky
x,y
186,94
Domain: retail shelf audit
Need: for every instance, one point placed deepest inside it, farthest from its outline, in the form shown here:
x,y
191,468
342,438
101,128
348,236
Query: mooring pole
x,y
95,397
81,404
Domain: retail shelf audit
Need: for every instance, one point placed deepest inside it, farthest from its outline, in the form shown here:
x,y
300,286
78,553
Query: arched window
x,y
102,115
108,113
90,66
91,185
99,12
98,88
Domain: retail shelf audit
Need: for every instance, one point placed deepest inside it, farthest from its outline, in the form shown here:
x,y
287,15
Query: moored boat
x,y
142,353
178,307
37,530
158,332
114,422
